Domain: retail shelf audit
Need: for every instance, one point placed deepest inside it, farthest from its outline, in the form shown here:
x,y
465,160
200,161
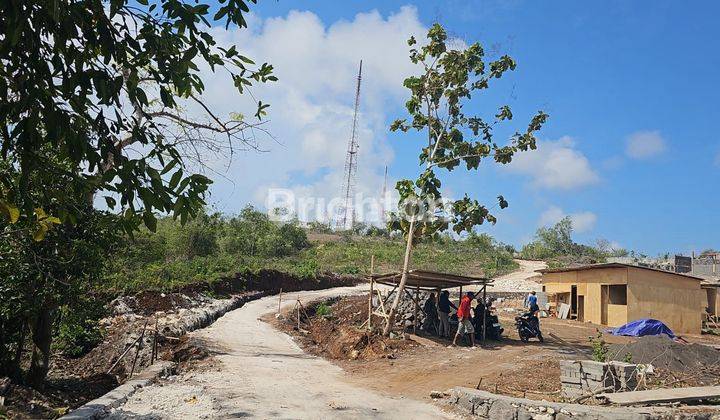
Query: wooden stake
x,y
484,312
153,354
123,355
370,310
279,300
370,296
137,353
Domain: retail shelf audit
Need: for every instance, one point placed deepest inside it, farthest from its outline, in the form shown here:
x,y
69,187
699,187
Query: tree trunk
x,y
16,370
403,280
42,339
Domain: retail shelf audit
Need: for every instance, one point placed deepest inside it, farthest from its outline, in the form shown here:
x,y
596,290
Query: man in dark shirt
x,y
444,306
430,324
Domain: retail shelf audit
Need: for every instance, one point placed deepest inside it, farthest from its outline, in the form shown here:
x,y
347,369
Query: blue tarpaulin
x,y
643,327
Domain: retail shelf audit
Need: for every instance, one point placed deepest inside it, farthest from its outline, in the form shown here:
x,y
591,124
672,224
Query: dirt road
x,y
521,279
260,372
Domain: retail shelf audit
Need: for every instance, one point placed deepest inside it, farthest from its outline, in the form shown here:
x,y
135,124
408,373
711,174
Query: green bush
x,y
308,268
599,348
323,310
78,328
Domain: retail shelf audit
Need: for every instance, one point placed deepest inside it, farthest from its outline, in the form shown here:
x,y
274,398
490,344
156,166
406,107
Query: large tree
x,y
103,86
449,79
94,103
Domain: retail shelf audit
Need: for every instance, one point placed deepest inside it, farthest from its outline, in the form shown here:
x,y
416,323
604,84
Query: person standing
x,y
430,324
531,300
444,306
464,324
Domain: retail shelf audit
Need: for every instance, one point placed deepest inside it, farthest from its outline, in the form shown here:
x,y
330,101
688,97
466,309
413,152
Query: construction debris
x,y
660,396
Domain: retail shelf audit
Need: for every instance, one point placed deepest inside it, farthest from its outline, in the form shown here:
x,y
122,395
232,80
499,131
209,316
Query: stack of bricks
x,y
583,377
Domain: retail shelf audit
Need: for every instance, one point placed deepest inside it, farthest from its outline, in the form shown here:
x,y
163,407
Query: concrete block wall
x,y
581,377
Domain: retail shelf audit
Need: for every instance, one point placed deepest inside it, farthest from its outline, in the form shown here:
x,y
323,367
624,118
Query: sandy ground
x,y
510,364
260,372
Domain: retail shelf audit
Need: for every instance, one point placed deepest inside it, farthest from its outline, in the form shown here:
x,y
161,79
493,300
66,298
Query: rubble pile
x,y
405,314
181,314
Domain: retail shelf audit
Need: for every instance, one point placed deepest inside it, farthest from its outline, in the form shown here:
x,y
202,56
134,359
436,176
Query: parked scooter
x,y
528,327
493,328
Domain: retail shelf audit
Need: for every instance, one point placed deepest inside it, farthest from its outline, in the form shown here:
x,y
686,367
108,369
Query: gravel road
x,y
262,373
520,280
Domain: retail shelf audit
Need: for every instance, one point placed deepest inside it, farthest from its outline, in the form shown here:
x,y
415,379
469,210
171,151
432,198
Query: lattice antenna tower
x,y
346,212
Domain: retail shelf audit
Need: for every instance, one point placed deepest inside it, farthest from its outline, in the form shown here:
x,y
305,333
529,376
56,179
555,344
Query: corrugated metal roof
x,y
614,265
430,280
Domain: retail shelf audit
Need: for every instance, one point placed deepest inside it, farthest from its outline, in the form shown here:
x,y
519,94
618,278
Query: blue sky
x,y
631,151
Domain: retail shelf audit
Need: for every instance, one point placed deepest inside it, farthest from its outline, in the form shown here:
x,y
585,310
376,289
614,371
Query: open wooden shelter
x,y
418,280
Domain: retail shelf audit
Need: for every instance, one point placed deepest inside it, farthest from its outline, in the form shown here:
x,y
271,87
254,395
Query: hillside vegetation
x,y
216,246
556,246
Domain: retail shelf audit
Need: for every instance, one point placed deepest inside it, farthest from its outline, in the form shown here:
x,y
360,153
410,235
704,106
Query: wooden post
x,y
370,296
484,312
298,313
153,353
137,353
279,300
415,315
437,310
370,308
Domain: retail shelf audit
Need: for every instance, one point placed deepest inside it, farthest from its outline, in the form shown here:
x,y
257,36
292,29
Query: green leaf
x,y
10,211
111,203
40,232
177,176
150,221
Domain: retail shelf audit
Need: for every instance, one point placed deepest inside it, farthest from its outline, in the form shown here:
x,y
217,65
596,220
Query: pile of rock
x,y
406,309
586,377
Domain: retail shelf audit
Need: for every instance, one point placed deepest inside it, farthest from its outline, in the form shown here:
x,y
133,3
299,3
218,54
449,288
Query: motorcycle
x,y
528,327
493,328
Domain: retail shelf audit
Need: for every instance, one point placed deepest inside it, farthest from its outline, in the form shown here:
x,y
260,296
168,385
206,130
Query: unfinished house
x,y
614,294
712,305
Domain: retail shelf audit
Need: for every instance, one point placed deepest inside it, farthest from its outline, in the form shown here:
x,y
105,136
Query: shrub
x,y
308,268
323,310
599,348
78,328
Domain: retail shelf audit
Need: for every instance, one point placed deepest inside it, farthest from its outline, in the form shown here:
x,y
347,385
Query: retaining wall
x,y
485,405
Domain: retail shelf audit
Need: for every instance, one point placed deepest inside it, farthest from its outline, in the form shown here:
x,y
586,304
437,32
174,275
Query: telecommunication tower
x,y
346,212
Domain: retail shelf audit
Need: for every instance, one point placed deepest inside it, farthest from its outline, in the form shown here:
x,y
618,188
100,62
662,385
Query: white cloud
x,y
581,221
312,103
644,144
555,165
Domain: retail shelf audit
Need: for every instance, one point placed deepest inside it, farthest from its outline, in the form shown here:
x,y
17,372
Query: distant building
x,y
614,294
683,264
